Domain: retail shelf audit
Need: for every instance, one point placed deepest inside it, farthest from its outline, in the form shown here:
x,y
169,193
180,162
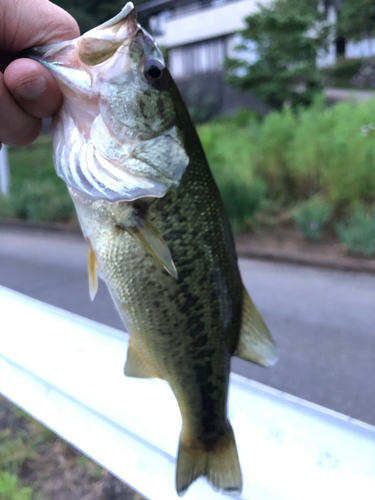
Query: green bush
x,y
341,74
358,234
6,207
311,217
46,200
229,148
9,489
318,150
270,147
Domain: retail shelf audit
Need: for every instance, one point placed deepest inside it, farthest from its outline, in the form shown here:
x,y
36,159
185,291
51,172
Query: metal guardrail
x,y
4,171
67,371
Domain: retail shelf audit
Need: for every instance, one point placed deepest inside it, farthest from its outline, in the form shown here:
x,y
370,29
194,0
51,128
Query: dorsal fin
x,y
255,343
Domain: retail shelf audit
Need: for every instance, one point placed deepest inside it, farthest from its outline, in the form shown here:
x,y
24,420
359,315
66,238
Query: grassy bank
x,y
316,166
35,464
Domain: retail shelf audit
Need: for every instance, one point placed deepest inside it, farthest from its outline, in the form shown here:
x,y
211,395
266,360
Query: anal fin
x,y
255,343
136,366
151,240
92,271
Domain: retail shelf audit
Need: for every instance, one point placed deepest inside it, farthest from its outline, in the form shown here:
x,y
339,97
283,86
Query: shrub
x,y
229,147
365,78
311,217
358,234
320,150
270,147
6,207
46,200
241,200
341,74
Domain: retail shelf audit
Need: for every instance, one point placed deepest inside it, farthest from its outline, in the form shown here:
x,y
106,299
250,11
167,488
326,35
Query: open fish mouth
x,y
109,35
83,54
115,137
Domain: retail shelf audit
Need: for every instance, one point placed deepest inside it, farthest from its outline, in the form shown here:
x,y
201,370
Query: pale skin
x,y
28,92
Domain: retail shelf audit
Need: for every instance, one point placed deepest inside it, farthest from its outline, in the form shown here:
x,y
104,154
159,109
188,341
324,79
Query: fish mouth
x,y
90,49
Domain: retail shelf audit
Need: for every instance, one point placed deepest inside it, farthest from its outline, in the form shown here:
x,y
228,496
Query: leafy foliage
x,y
358,234
357,19
329,151
232,166
341,74
286,36
46,200
311,217
9,489
36,192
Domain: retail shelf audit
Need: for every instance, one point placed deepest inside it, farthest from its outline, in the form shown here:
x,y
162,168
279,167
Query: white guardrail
x,y
67,372
4,170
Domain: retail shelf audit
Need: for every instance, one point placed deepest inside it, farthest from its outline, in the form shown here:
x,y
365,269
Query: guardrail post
x,y
4,171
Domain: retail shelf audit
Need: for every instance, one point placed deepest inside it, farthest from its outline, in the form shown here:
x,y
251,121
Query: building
x,y
198,36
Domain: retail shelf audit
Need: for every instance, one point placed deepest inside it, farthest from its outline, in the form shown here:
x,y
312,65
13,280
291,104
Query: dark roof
x,y
156,6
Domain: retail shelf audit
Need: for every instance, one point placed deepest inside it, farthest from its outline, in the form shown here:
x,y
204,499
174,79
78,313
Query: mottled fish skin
x,y
162,241
186,329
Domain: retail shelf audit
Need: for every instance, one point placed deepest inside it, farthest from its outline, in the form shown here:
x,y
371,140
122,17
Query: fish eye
x,y
153,70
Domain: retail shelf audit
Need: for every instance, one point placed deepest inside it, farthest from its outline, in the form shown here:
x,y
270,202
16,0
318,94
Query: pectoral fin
x,y
93,276
255,343
151,240
135,365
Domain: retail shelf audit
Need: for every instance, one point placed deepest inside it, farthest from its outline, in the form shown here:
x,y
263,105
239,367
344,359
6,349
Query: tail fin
x,y
220,465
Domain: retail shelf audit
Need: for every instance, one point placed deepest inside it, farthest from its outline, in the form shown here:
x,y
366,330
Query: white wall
x,y
207,23
364,48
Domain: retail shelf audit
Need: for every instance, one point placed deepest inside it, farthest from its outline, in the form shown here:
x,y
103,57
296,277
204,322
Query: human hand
x,y
28,92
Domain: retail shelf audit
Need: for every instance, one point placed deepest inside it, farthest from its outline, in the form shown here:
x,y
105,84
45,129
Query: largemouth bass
x,y
148,206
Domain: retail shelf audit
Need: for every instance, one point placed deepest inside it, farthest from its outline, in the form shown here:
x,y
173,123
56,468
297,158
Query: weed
x,y
311,217
358,234
9,489
93,470
14,452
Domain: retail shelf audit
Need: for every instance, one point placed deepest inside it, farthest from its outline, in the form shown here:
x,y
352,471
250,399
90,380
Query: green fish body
x,y
163,246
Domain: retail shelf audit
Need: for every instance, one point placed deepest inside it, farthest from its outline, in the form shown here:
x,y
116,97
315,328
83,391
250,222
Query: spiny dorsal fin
x,y
151,240
93,276
255,343
135,365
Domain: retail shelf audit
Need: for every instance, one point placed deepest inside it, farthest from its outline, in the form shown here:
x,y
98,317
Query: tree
x,y
287,37
357,19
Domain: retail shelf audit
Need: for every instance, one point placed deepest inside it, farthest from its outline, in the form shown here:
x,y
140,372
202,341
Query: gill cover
x,y
115,137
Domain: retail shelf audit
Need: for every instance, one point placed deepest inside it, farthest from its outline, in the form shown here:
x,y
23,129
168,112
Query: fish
x,y
157,232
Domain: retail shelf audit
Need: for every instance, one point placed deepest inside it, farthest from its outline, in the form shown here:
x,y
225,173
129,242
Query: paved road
x,y
323,321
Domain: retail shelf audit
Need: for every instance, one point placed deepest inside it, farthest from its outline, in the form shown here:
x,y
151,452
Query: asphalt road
x,y
323,321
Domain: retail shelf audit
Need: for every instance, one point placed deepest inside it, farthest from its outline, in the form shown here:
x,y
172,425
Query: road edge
x,y
348,264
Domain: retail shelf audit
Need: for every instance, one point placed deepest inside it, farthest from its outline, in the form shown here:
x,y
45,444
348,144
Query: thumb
x,y
26,23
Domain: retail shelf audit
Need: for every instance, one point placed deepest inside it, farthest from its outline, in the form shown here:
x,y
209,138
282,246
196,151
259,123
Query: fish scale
x,y
162,241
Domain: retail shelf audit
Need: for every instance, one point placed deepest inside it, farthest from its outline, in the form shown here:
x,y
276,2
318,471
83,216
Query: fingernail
x,y
31,89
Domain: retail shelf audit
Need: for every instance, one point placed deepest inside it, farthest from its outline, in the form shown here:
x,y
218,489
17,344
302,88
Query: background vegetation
x,y
316,164
35,464
304,162
288,36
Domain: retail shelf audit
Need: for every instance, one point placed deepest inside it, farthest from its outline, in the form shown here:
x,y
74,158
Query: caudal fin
x,y
220,465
